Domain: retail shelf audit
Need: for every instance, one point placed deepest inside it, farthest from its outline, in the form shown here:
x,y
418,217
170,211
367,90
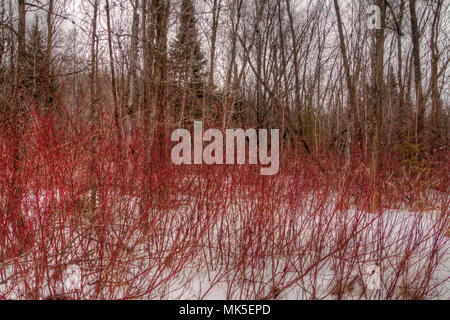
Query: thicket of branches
x,y
310,68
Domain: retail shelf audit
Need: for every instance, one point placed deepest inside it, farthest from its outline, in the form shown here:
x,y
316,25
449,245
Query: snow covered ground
x,y
316,252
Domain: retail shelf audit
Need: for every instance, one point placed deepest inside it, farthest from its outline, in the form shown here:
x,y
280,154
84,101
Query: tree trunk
x,y
48,55
93,87
93,93
436,103
133,81
161,8
148,30
417,73
378,89
228,101
113,74
401,100
350,85
18,124
212,58
215,22
297,101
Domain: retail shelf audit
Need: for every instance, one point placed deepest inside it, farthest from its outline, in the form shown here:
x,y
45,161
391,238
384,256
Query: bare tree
x,y
436,103
378,88
113,73
93,76
133,94
415,39
215,22
48,55
349,81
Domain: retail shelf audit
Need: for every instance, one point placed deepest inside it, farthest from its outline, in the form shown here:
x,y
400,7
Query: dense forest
x,y
314,69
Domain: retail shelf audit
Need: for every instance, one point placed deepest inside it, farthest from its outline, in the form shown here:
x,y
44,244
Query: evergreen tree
x,y
186,57
35,57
